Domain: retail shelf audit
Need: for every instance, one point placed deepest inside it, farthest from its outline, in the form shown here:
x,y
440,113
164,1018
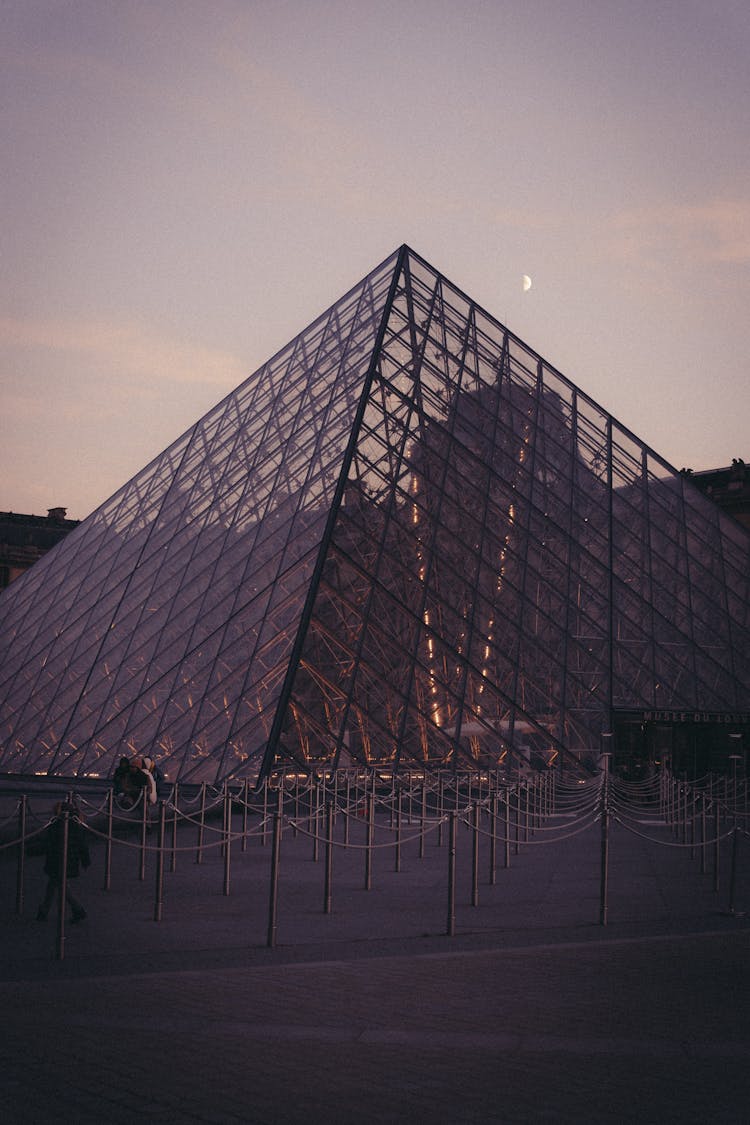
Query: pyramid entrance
x,y
406,540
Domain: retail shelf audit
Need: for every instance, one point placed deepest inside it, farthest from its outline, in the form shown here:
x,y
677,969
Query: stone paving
x,y
531,1012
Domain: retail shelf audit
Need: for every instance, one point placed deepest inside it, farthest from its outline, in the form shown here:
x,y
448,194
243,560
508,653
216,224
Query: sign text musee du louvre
x,y
724,717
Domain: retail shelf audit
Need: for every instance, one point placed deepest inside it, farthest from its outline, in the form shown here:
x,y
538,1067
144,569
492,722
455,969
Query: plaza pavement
x,y
532,1012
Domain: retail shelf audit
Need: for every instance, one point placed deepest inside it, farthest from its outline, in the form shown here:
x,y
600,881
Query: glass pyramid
x,y
405,540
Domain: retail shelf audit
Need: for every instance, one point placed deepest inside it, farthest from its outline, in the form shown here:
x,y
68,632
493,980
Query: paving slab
x,y
531,1012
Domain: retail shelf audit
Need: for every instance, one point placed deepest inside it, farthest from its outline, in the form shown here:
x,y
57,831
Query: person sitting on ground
x,y
153,768
157,775
78,857
122,782
144,779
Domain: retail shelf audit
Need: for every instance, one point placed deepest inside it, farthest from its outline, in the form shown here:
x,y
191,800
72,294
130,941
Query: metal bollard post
x,y
63,887
173,852
273,897
399,817
604,878
370,840
518,820
227,842
475,857
451,926
21,853
201,825
224,818
683,814
159,893
441,805
245,803
144,831
347,812
733,868
108,847
328,892
493,840
506,827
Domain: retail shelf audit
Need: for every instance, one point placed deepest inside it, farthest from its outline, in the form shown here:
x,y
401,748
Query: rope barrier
x,y
673,844
348,846
140,847
25,839
81,800
531,841
530,814
8,819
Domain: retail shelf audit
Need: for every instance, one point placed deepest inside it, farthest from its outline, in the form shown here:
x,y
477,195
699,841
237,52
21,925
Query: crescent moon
x,y
526,283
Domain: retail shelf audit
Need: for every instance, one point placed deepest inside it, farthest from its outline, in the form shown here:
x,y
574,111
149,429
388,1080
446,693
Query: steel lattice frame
x,y
405,539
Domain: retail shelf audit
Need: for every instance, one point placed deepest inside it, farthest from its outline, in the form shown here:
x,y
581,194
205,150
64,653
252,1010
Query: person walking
x,y
78,857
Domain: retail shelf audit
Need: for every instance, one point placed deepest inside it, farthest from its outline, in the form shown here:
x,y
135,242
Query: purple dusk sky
x,y
186,185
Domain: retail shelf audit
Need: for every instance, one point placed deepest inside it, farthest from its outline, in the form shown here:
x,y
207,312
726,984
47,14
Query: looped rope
x,y
349,846
557,839
672,843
